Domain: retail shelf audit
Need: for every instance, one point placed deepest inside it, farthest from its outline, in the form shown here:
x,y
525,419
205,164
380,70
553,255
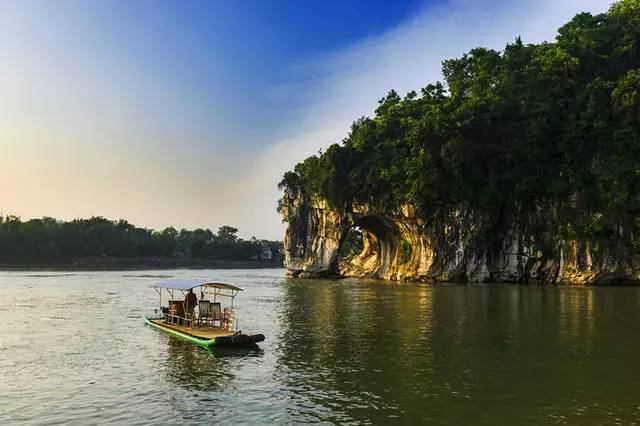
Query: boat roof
x,y
182,284
224,286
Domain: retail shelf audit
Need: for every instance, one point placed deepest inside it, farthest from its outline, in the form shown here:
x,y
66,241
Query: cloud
x,y
148,131
405,59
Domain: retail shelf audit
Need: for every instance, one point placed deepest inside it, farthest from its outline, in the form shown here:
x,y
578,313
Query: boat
x,y
204,321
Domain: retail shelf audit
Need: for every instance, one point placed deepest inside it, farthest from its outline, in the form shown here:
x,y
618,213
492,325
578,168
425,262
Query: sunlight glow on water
x,y
74,350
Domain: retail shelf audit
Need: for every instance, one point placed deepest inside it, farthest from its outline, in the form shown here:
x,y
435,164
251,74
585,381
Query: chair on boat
x,y
187,315
216,312
176,311
204,312
172,312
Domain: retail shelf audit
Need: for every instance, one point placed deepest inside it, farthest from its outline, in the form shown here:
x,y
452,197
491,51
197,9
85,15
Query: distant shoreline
x,y
127,264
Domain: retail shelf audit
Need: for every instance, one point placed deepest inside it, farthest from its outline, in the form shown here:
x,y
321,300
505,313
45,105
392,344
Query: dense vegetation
x,y
47,240
552,122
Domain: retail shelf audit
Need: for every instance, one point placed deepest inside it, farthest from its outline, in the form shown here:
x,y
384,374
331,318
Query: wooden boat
x,y
201,320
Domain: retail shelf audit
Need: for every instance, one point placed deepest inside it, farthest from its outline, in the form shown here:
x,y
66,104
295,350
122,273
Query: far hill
x,y
522,165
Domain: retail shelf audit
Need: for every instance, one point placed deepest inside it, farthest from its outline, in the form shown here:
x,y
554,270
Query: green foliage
x,y
352,245
227,233
405,252
626,96
47,240
553,122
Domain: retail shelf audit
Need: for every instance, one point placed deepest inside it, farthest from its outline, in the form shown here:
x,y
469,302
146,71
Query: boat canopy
x,y
178,284
223,286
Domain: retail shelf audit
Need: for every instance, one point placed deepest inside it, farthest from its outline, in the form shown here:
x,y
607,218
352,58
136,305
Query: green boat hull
x,y
236,340
192,339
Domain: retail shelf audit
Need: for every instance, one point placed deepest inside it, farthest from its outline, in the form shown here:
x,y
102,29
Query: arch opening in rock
x,y
366,248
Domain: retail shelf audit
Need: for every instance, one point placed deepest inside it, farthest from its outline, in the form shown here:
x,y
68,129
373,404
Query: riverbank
x,y
130,263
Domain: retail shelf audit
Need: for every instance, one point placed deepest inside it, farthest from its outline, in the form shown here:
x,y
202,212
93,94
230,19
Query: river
x,y
75,350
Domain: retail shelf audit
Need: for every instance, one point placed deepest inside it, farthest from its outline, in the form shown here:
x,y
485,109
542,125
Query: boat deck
x,y
201,332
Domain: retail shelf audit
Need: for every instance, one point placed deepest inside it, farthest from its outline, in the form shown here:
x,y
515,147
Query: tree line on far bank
x,y
52,241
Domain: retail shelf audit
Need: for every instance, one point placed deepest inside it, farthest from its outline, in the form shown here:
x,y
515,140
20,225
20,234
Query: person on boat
x,y
191,301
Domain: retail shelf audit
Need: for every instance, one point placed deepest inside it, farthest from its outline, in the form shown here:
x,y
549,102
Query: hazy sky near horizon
x,y
188,113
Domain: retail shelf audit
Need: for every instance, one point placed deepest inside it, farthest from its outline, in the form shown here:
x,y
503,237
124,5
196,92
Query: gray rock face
x,y
459,245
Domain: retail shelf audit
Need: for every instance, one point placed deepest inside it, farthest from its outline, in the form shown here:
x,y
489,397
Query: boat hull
x,y
237,340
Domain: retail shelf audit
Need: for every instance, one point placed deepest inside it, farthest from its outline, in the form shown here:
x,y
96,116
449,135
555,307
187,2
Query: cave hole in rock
x,y
365,248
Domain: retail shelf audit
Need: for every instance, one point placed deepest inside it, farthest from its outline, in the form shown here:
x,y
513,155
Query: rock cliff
x,y
458,245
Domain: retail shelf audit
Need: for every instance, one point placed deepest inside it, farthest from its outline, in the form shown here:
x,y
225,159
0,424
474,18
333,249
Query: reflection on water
x,y
492,353
73,349
204,374
193,367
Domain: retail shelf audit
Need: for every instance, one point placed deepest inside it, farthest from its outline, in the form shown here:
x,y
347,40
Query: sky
x,y
187,114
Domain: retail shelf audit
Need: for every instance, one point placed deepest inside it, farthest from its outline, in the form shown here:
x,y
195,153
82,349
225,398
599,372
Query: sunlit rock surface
x,y
458,245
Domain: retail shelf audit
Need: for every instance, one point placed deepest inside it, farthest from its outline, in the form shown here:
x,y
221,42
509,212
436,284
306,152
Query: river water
x,y
75,350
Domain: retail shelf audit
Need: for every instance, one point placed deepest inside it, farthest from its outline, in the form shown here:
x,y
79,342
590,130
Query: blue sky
x,y
187,113
228,59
